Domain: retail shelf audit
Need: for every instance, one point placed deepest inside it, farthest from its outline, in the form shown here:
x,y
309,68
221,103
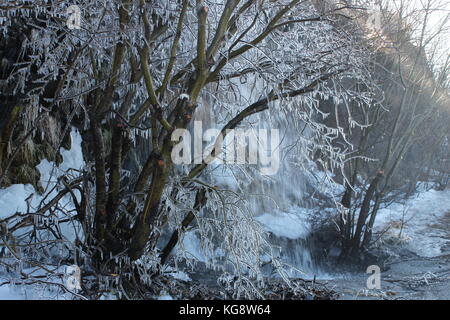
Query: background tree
x,y
396,128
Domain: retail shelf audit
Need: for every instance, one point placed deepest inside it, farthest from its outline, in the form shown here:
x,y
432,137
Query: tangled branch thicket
x,y
133,73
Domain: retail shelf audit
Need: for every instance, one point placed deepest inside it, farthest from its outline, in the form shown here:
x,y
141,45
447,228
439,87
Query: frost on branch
x,y
134,71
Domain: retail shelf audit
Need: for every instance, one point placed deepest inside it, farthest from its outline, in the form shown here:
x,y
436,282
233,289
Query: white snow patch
x,y
177,274
192,246
8,293
292,224
15,290
418,215
72,159
13,199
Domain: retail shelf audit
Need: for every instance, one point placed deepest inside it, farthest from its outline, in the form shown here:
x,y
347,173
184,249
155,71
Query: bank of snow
x,y
14,199
292,223
415,222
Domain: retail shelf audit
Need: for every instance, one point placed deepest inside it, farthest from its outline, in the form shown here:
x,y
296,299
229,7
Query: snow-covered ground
x,y
291,224
13,199
422,270
7,293
417,223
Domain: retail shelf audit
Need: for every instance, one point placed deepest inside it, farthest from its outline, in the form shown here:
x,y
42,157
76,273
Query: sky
x,y
439,19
